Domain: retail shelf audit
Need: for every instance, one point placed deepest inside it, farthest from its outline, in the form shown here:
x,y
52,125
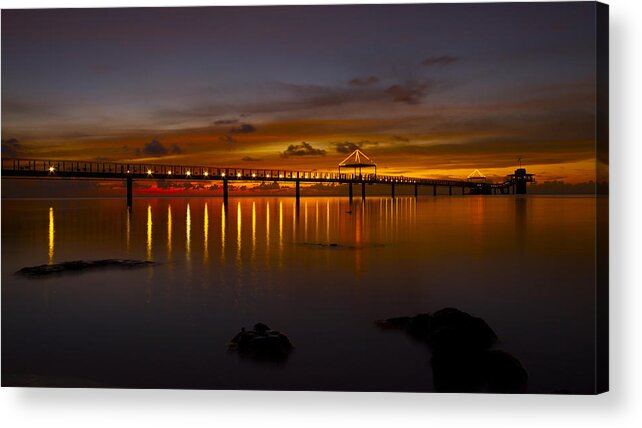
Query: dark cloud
x,y
364,81
349,146
12,107
303,149
289,97
250,159
400,138
440,61
245,128
155,148
227,139
225,121
408,93
11,148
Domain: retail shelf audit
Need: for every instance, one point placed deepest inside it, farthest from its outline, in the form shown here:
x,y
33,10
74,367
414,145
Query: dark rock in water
x,y
461,357
504,373
457,372
261,328
478,371
421,327
446,329
79,265
452,330
261,343
394,323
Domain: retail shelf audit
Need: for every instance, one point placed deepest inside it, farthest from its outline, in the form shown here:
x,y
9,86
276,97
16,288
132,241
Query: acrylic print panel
x,y
350,198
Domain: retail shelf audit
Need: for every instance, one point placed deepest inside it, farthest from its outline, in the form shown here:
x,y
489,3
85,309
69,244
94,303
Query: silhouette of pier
x,y
72,169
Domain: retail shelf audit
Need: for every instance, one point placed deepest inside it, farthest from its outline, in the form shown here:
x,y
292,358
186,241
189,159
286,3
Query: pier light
x,y
280,175
149,172
127,171
188,173
51,169
222,174
267,175
169,172
205,173
254,175
238,174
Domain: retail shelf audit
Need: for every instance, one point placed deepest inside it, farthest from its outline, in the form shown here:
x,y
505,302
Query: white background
x,y
620,407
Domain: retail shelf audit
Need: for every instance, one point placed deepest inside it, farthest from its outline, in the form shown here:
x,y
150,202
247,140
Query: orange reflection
x,y
267,226
253,229
327,221
280,234
295,211
281,224
129,229
169,232
188,233
206,230
316,221
149,232
305,223
238,231
52,232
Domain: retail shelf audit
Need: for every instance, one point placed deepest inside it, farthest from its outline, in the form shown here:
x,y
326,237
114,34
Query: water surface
x,y
524,264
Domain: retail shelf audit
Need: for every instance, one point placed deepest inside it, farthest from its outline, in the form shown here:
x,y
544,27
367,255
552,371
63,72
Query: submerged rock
x,y
462,359
491,371
453,330
337,246
79,265
448,329
261,343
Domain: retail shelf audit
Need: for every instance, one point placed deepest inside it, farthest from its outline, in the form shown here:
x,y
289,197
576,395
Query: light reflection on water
x,y
188,234
523,264
206,232
169,232
149,233
52,231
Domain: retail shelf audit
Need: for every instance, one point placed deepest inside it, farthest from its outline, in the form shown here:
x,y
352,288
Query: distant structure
x,y
519,180
356,161
476,177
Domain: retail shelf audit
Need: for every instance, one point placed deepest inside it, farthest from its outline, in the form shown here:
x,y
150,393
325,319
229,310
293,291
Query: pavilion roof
x,y
357,159
476,174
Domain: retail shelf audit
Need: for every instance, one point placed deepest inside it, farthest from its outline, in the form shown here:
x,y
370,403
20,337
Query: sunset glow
x,y
454,99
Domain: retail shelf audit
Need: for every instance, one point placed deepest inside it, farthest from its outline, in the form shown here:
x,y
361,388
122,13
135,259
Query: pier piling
x,y
225,192
130,192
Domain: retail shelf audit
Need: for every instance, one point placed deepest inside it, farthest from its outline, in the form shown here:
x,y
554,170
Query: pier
x,y
72,169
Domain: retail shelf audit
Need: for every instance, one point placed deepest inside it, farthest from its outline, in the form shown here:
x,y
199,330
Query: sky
x,y
434,90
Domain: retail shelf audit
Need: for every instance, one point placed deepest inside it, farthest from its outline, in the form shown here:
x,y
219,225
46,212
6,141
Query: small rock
x,y
261,343
79,265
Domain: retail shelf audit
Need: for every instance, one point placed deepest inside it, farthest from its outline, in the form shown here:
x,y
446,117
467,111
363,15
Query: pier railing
x,y
93,169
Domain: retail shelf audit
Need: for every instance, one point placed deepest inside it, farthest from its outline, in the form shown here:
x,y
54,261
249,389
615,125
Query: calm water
x,y
524,264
